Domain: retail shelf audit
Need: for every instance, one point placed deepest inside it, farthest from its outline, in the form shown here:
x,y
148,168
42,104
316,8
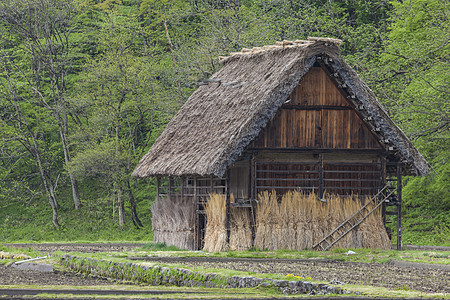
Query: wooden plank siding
x,y
317,119
316,116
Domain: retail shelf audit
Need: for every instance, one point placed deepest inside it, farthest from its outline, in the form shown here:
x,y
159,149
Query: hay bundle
x,y
173,222
241,234
369,234
216,233
339,209
307,206
296,221
267,217
299,220
374,234
289,209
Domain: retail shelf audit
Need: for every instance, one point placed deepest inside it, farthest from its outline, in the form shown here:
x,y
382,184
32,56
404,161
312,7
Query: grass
x,y
381,292
362,255
178,292
159,247
29,220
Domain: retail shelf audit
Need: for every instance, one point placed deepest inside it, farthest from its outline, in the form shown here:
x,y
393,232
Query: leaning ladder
x,y
354,221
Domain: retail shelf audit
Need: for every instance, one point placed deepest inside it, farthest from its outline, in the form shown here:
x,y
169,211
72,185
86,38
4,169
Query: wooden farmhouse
x,y
274,120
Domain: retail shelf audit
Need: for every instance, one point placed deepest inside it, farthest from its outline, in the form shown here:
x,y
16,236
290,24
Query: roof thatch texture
x,y
223,116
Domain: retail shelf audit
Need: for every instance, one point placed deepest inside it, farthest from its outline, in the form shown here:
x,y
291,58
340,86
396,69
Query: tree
x,y
119,93
412,75
41,32
24,128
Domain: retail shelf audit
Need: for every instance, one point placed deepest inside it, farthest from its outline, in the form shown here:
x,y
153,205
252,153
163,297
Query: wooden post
x,y
252,197
182,186
196,218
254,177
170,185
382,185
211,186
399,206
228,207
321,175
158,187
195,190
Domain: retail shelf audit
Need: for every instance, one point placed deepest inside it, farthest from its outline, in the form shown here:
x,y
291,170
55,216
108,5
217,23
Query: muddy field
x,y
405,276
10,276
410,276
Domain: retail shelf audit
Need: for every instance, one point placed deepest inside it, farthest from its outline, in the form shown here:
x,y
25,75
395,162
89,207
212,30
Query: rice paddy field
x,y
368,273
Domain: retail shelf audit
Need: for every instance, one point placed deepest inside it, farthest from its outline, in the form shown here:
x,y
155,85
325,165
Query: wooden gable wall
x,y
316,115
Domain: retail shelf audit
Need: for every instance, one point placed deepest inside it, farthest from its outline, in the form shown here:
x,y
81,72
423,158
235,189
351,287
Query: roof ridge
x,y
281,45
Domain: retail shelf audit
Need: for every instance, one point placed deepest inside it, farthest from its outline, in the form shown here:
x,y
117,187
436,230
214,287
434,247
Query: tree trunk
x,y
47,185
63,130
134,216
121,206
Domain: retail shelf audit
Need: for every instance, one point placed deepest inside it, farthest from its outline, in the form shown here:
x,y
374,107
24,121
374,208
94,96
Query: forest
x,y
86,86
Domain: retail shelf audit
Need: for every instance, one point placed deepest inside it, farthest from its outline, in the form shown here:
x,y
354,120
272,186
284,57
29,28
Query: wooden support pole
x,y
320,175
399,206
170,185
182,178
254,177
196,218
211,185
382,185
158,187
252,197
250,177
228,207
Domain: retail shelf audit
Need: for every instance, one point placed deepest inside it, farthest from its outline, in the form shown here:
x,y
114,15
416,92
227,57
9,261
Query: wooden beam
x,y
182,186
382,184
319,150
228,207
399,206
320,176
316,107
158,187
196,217
252,196
211,185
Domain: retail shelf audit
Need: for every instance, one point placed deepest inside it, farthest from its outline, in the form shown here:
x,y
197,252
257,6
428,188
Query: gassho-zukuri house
x,y
285,147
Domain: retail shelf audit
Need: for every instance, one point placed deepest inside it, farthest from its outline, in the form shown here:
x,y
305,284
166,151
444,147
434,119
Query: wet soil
x,y
390,275
12,276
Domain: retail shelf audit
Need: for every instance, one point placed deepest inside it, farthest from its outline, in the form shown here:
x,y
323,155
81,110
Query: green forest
x,y
86,86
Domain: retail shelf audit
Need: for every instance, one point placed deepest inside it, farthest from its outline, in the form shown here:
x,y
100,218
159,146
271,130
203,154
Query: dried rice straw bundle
x,y
216,234
319,214
173,222
289,209
241,236
266,208
373,230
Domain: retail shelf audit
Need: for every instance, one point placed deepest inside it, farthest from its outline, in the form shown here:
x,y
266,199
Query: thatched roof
x,y
224,115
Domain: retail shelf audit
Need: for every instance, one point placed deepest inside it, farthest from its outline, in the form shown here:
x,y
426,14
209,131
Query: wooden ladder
x,y
354,221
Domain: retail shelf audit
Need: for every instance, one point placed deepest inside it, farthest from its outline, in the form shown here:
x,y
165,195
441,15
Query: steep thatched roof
x,y
225,114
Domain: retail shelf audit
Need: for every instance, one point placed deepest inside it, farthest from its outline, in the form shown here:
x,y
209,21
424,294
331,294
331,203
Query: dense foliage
x,y
87,85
